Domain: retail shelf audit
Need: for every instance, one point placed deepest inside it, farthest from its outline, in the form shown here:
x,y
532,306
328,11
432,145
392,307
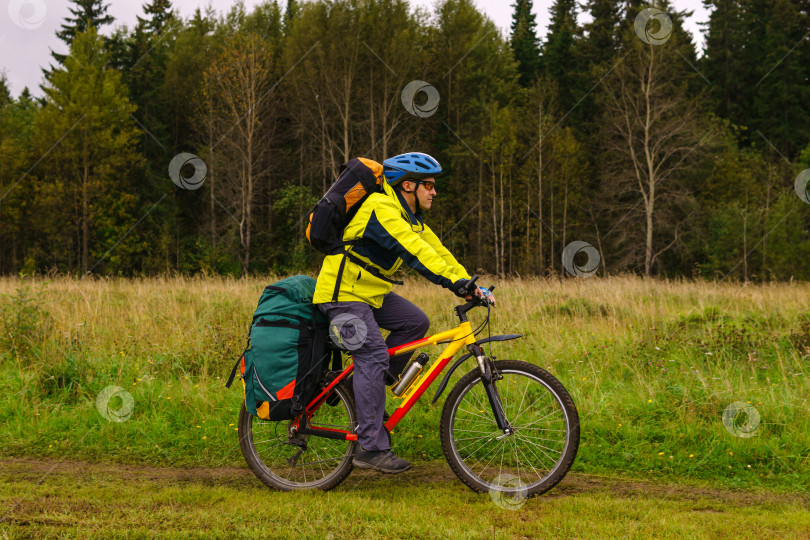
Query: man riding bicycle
x,y
387,231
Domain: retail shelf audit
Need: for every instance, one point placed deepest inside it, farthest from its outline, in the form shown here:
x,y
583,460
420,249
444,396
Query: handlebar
x,y
471,284
470,289
475,301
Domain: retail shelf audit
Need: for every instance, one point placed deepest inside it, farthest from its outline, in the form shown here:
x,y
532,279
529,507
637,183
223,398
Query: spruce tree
x,y
524,42
601,39
560,60
5,94
726,63
92,163
160,14
290,13
86,14
781,90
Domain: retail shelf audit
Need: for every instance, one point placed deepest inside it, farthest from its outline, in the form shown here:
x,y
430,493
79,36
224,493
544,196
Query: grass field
x,y
652,365
111,501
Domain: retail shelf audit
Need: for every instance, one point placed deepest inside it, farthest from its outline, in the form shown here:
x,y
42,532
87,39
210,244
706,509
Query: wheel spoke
x,y
517,449
473,414
540,447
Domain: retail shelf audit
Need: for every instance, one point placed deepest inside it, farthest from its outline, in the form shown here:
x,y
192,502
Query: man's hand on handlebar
x,y
466,288
486,294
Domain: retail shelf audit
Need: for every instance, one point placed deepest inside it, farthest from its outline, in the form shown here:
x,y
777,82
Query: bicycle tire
x,y
268,459
546,390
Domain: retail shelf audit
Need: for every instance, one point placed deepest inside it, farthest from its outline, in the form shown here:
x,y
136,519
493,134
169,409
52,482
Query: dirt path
x,y
38,471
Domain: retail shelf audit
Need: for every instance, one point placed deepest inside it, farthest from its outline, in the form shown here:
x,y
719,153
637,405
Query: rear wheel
x,y
286,460
545,438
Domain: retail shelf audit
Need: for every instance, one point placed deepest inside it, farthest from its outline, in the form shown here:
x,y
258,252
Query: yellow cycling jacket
x,y
388,234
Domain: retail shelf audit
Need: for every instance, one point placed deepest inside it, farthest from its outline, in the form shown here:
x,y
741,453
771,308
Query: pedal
x,y
292,460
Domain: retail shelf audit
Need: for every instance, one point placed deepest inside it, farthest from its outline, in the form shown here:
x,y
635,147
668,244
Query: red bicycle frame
x,y
459,337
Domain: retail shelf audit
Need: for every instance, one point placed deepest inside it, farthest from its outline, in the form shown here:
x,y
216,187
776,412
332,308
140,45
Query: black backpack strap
x,y
370,269
233,371
275,288
338,279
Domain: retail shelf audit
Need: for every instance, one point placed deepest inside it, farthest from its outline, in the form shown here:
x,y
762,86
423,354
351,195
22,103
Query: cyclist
x,y
387,231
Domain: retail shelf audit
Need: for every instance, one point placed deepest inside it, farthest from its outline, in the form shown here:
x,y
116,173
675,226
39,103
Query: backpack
x,y
287,351
358,178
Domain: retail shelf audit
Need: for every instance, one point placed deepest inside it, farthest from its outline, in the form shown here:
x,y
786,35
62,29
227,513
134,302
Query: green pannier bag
x,y
287,351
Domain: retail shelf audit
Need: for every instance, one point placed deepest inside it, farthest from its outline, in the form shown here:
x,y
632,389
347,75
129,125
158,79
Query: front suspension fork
x,y
488,380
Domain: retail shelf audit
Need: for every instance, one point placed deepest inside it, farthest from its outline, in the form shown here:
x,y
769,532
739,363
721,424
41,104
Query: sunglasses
x,y
428,185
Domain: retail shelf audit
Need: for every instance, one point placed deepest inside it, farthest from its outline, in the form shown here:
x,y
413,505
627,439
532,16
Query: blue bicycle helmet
x,y
410,166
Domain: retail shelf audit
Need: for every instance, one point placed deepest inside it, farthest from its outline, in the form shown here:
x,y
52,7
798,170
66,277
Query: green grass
x,y
651,366
75,499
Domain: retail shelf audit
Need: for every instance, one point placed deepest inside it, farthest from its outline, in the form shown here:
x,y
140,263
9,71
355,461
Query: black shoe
x,y
380,460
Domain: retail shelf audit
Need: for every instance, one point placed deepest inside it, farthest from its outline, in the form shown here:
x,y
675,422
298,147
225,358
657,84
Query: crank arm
x,y
291,461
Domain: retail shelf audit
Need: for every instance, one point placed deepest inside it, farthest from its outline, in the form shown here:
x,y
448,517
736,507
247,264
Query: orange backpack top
x,y
358,178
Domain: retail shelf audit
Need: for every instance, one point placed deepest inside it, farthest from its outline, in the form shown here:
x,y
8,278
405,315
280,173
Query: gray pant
x,y
371,361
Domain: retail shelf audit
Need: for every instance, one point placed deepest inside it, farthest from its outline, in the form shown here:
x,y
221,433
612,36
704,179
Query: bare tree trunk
x,y
651,178
480,242
652,127
85,210
503,242
528,259
249,202
509,221
540,187
495,222
565,211
212,184
551,225
347,105
301,224
598,241
763,273
745,246
371,122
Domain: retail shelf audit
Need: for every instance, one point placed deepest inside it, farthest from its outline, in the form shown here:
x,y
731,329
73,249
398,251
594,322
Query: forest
x,y
199,146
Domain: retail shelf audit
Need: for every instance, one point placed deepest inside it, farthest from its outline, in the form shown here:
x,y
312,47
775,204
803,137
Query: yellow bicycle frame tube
x,y
459,337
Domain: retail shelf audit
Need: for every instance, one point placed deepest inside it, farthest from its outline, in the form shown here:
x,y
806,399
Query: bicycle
x,y
490,439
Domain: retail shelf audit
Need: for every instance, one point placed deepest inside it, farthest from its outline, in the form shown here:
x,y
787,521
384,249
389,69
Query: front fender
x,y
446,379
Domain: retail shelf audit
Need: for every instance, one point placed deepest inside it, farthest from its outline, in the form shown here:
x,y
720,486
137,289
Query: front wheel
x,y
539,451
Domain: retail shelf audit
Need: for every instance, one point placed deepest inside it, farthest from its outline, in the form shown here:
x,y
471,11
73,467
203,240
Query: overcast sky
x,y
28,27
